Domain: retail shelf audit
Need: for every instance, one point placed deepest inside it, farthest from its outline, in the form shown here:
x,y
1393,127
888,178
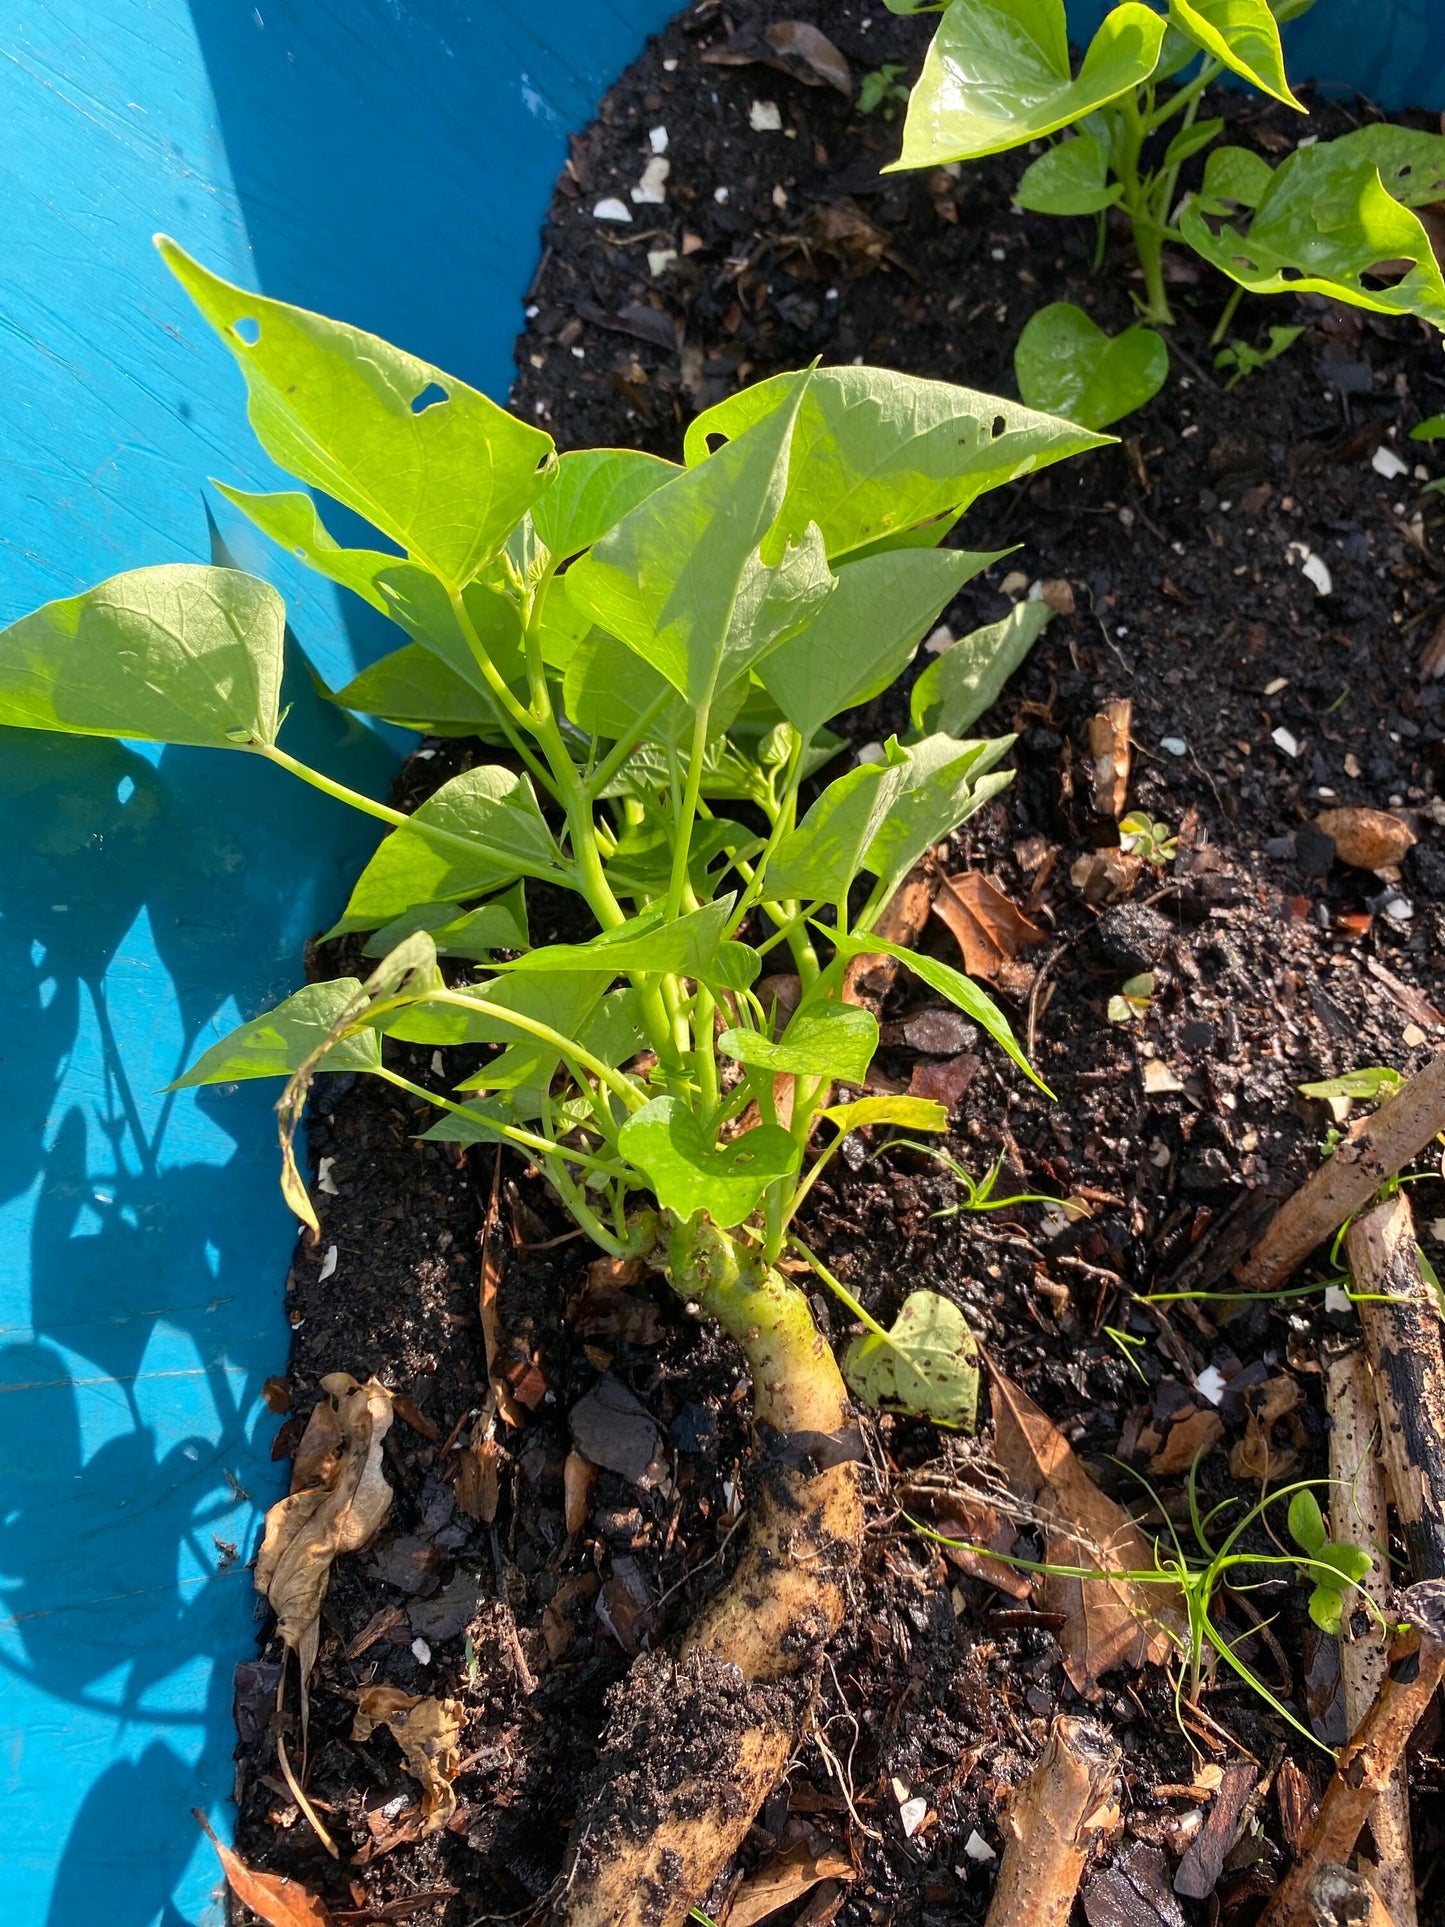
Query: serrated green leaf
x,y
1065,362
945,781
968,678
908,1113
822,1039
1072,178
1243,34
666,1142
997,76
1324,225
176,654
960,991
927,1365
494,831
876,453
498,925
592,490
415,688
279,1041
865,634
433,464
1306,1522
683,579
820,858
291,520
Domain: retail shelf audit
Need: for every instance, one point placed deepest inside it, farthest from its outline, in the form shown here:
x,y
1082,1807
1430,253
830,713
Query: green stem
x,y
840,1291
513,1133
688,811
1230,309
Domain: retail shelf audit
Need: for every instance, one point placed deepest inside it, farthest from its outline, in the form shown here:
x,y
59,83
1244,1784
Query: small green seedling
x,y
1128,1343
882,92
1132,1002
1245,360
978,1195
1429,430
1142,835
998,77
1371,1082
1336,1568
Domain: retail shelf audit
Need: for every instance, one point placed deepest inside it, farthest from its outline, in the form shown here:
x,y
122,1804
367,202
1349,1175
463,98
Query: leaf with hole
x,y
433,464
1071,178
997,76
1065,362
822,1039
968,678
279,1041
666,1141
176,654
927,1365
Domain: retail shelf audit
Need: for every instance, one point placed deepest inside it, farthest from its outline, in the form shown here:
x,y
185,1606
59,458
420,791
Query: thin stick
x,y
1372,1152
1052,1823
1357,1513
1366,1766
1403,1338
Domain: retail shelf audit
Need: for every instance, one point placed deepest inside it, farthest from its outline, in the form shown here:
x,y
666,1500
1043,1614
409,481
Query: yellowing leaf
x,y
927,1364
428,1732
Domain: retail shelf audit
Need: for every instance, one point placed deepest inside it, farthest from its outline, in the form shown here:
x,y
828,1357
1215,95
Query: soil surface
x,y
1175,560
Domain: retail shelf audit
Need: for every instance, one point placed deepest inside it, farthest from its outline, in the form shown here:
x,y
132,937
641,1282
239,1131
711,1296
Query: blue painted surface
x,y
382,161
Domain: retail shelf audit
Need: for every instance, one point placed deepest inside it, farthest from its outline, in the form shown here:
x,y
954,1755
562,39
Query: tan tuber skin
x,y
642,1855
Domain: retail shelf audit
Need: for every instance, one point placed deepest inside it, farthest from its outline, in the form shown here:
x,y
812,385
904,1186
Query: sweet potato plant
x,y
655,652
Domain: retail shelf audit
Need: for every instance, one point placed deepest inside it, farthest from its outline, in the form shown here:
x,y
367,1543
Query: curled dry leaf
x,y
1187,1439
784,1879
579,1476
969,1517
279,1900
1108,1622
989,929
1109,756
1106,876
793,47
428,1732
306,1531
478,1481
1367,839
1259,1457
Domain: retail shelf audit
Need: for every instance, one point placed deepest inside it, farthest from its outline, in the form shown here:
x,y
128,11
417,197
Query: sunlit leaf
x,y
563,1001
1065,362
1411,162
290,518
592,490
279,1041
821,857
685,947
927,1365
1072,178
665,1141
1244,34
822,1039
414,687
176,654
433,464
997,76
498,925
968,678
1306,1522
414,598
945,782
908,1113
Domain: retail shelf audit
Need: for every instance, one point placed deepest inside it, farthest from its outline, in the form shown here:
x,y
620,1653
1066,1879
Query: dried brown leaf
x,y
868,979
784,1879
1109,756
1106,876
318,1456
801,50
965,1516
279,1900
306,1532
1259,1457
491,1279
428,1732
1186,1440
989,929
478,1480
1108,1622
579,1475
1367,839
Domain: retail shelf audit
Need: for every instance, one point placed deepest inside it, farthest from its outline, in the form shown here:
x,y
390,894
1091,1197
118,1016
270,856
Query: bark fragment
x,y
1053,1822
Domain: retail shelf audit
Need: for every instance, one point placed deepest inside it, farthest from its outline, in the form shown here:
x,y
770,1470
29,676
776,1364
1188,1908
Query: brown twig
x,y
1052,1822
1357,1514
1366,1766
1370,1154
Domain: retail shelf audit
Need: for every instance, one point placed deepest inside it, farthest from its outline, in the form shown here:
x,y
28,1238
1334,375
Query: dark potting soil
x,y
1176,560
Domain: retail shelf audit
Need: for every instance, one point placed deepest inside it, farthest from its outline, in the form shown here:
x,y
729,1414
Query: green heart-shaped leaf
x,y
823,1039
1072,178
1065,362
592,490
279,1041
1244,34
928,1363
968,678
665,1140
415,688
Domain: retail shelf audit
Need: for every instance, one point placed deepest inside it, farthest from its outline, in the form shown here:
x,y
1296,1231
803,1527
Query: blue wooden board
x,y
387,163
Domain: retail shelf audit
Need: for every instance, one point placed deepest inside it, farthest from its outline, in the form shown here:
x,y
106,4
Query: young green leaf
x,y
865,634
493,831
1244,34
1429,430
498,925
1072,178
175,654
997,76
415,688
1375,1080
822,1039
563,1001
279,1041
1324,225
432,463
685,947
944,783
927,1364
665,1140
1306,1522
416,600
289,517
592,491
960,991
682,579
877,454
1234,174
1190,141
820,858
908,1113
1066,363
641,865
968,678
